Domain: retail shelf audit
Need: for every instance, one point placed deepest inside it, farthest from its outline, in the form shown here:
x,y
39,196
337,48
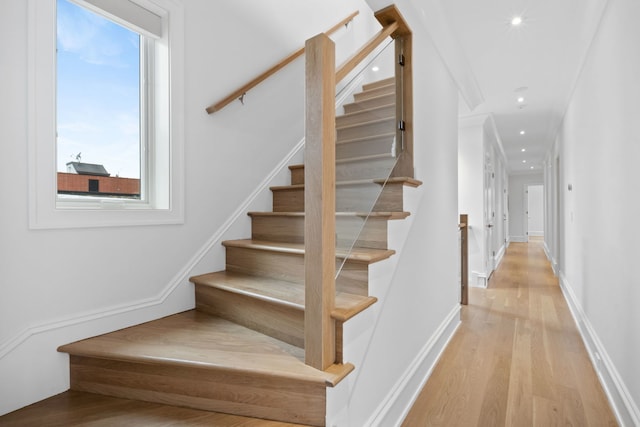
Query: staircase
x,y
241,351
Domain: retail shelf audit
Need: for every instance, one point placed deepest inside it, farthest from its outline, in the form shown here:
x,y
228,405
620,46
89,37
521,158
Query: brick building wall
x,y
71,183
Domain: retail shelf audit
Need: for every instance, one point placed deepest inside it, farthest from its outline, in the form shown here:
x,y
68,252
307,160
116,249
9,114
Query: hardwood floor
x,y
517,359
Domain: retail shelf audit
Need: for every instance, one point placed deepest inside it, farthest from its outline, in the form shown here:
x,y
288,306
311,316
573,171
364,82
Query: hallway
x,y
517,359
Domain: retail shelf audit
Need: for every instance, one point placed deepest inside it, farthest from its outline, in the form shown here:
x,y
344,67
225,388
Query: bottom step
x,y
199,361
74,408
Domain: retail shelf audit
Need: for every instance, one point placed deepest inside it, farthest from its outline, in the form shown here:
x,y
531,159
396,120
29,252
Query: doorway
x,y
534,211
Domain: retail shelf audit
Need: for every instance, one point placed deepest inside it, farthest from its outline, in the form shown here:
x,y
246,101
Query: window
x,y
69,134
101,69
94,186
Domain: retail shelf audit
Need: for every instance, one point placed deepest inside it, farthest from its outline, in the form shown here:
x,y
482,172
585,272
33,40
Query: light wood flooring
x,y
517,358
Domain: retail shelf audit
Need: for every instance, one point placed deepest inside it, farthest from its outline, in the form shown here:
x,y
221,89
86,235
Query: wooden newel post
x,y
319,198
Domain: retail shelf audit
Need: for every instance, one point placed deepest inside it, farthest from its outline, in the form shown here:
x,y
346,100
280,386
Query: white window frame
x,y
164,201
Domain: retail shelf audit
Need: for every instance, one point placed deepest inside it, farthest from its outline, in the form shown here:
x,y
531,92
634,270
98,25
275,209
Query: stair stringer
x,y
359,331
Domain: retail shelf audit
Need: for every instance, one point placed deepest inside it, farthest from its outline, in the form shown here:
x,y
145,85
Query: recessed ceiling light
x,y
521,99
522,132
523,150
375,68
524,161
531,167
516,20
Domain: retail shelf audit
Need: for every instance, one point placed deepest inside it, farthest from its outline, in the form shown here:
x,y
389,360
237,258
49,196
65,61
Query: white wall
x,y
599,147
407,328
62,285
518,184
499,188
535,210
471,192
478,149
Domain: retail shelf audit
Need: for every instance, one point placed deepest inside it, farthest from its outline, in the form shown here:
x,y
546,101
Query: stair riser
x,y
225,391
280,322
367,147
297,176
373,85
388,111
354,170
371,233
370,103
367,130
374,93
290,267
356,198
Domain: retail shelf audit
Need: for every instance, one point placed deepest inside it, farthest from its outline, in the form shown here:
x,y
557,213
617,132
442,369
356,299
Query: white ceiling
x,y
544,55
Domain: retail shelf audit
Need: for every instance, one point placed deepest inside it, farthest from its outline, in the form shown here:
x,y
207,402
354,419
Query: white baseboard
x,y
478,279
536,234
552,260
400,399
624,407
497,259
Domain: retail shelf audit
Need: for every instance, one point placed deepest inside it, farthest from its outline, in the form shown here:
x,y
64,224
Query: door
x,y
489,214
535,211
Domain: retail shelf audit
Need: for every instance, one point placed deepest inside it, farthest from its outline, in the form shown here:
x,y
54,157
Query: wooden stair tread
x,y
410,182
76,408
280,292
370,109
365,255
365,138
197,340
351,160
381,215
390,98
369,122
384,82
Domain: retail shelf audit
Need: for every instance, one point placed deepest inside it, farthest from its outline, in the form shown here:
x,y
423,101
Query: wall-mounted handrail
x,y
371,45
238,93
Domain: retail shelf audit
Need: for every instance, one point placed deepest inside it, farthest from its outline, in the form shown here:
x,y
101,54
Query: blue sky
x,y
98,102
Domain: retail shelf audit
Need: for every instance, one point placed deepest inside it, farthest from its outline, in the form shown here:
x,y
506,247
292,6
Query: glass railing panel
x,y
366,139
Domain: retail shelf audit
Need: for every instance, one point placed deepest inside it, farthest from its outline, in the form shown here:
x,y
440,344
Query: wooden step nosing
x,y
361,255
343,314
338,372
411,182
374,215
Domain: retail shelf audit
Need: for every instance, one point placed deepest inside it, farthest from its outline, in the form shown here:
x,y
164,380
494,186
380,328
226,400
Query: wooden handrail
x,y
271,71
352,62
